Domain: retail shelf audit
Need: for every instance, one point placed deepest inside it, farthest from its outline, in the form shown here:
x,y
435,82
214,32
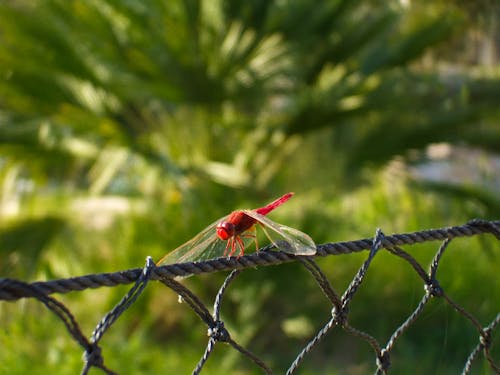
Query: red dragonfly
x,y
236,231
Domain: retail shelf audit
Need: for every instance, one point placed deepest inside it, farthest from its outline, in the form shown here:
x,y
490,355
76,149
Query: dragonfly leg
x,y
254,239
252,235
236,242
230,242
241,245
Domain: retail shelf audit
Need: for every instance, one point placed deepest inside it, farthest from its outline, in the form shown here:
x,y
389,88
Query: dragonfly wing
x,y
205,245
287,239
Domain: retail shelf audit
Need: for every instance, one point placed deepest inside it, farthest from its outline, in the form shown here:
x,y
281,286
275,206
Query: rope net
x,y
13,290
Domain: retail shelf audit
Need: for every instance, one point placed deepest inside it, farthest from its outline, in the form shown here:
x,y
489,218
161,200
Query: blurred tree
x,y
124,98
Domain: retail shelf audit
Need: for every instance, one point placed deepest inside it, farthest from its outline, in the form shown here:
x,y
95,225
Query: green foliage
x,y
126,127
23,243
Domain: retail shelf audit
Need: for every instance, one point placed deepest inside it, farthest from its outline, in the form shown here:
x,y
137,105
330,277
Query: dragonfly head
x,y
225,230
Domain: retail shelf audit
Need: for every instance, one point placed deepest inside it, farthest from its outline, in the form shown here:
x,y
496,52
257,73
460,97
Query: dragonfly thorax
x,y
225,230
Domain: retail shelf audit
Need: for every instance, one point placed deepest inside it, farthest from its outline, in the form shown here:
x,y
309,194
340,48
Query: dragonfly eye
x,y
225,230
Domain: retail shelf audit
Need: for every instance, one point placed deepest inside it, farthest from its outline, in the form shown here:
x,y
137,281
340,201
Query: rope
x,y
261,258
12,290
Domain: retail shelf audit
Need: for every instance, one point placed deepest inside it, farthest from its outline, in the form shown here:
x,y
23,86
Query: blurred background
x,y
126,127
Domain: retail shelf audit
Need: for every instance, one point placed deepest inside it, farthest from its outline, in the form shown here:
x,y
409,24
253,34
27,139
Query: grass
x,y
157,334
272,311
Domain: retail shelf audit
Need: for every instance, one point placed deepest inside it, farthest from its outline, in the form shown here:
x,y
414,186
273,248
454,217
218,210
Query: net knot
x,y
218,332
384,361
92,356
433,288
340,315
485,338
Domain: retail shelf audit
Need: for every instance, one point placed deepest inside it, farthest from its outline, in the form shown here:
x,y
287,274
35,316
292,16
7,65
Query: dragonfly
x,y
237,231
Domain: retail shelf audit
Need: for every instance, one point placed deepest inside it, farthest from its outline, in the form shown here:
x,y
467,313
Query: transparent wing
x,y
287,239
205,245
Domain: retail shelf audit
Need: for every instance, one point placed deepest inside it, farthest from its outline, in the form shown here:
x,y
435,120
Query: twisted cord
x,y
217,332
9,291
